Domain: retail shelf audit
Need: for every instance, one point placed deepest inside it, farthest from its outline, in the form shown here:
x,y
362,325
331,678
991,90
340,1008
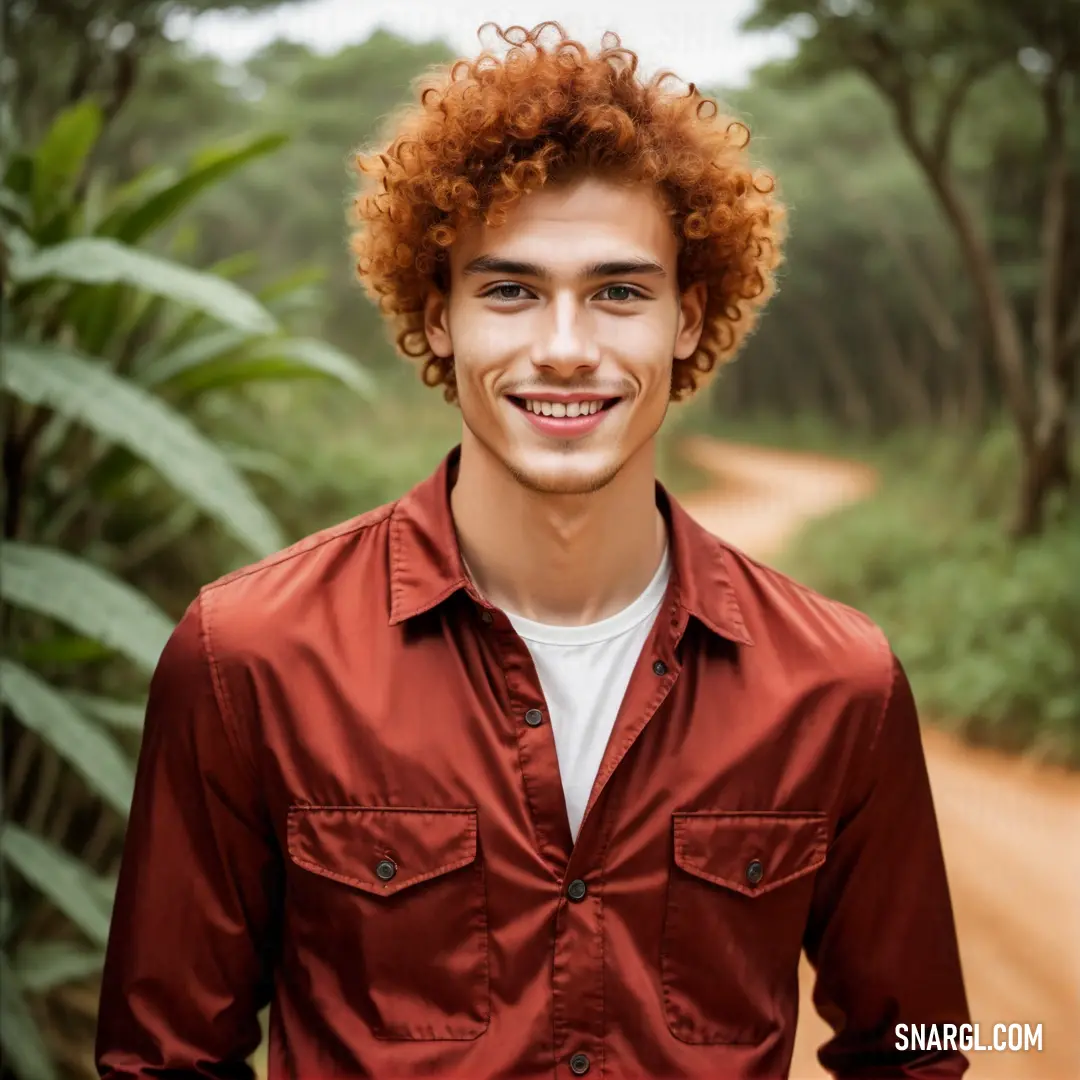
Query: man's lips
x,y
550,414
560,405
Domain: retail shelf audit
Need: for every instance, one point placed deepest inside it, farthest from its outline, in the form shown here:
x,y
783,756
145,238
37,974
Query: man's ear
x,y
437,323
691,320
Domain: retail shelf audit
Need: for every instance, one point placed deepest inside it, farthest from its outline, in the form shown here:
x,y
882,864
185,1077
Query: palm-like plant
x,y
113,353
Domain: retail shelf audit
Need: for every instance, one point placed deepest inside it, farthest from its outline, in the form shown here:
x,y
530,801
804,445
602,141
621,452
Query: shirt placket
x,y
578,869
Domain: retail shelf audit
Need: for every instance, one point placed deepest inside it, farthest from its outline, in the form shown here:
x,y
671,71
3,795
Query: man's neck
x,y
559,559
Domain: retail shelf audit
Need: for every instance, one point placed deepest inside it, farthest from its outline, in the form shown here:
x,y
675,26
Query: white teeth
x,y
558,408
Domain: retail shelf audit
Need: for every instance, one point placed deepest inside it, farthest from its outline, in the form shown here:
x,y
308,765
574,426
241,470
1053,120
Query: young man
x,y
526,775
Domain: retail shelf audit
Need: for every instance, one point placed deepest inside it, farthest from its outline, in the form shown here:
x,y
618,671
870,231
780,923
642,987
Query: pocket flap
x,y
351,843
748,851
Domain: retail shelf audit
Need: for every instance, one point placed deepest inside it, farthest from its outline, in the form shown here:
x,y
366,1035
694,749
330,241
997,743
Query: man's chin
x,y
565,477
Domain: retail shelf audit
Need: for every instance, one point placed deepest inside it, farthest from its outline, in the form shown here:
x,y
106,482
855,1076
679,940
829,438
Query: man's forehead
x,y
567,232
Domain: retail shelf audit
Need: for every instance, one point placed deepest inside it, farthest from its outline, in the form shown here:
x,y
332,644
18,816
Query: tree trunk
x,y
1002,323
1057,369
854,406
1042,422
911,393
1045,469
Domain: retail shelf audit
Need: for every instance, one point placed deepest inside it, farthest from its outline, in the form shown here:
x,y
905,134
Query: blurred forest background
x,y
192,379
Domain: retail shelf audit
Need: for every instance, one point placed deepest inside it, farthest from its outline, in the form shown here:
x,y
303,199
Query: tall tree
x,y
59,51
925,57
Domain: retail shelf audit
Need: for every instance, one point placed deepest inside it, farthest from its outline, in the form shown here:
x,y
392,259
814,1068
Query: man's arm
x,y
881,935
188,964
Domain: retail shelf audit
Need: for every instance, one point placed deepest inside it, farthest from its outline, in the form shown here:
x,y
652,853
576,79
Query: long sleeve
x,y
188,963
881,936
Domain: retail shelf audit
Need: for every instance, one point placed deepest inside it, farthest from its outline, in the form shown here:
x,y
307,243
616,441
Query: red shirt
x,y
348,805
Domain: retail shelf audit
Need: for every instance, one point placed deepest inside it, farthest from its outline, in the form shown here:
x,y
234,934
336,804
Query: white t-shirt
x,y
584,672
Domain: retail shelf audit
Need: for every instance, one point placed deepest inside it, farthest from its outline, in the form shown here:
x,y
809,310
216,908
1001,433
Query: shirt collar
x,y
426,566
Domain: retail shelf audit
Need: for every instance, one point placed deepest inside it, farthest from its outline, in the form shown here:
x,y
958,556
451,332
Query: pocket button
x,y
386,870
754,871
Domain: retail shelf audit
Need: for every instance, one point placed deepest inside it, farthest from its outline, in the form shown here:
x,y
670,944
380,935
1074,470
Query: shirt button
x,y
534,718
579,1064
754,871
659,668
577,890
486,616
386,869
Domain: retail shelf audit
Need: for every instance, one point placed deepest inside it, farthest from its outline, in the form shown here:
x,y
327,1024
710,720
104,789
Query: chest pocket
x,y
390,902
738,898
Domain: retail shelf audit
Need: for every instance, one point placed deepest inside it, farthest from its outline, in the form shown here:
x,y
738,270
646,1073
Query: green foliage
x,y
62,155
103,261
1016,235
89,750
205,170
82,596
121,412
295,208
61,51
116,360
935,43
24,1046
989,631
82,896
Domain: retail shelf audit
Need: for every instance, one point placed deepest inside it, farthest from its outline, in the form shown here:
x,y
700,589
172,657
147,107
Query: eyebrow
x,y
491,264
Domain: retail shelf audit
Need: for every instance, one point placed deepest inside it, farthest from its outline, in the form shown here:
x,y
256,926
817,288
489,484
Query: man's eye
x,y
507,292
621,293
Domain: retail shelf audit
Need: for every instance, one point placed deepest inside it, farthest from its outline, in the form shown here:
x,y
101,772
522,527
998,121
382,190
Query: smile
x,y
572,417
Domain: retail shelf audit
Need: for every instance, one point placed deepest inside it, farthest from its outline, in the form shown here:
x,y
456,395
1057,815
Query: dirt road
x,y
1010,829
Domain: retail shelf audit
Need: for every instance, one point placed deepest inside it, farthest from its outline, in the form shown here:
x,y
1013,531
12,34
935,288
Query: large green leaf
x,y
190,353
208,168
301,292
142,187
95,260
62,153
257,462
304,282
122,715
180,332
236,266
301,278
60,648
19,174
75,890
126,414
18,241
42,965
15,205
182,329
80,595
25,1052
92,205
92,753
193,369
7,919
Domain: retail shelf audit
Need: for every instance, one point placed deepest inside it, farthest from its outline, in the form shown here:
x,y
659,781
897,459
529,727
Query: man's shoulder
x,y
284,587
809,629
307,549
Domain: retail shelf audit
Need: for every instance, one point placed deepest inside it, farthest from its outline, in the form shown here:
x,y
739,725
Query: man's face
x,y
563,323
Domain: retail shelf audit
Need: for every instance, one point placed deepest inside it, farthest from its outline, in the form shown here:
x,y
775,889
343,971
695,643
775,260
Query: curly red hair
x,y
483,132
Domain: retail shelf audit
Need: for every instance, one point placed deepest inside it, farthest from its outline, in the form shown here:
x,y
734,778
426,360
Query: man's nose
x,y
567,344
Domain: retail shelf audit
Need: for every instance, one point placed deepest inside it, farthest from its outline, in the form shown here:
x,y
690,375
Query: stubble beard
x,y
564,485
